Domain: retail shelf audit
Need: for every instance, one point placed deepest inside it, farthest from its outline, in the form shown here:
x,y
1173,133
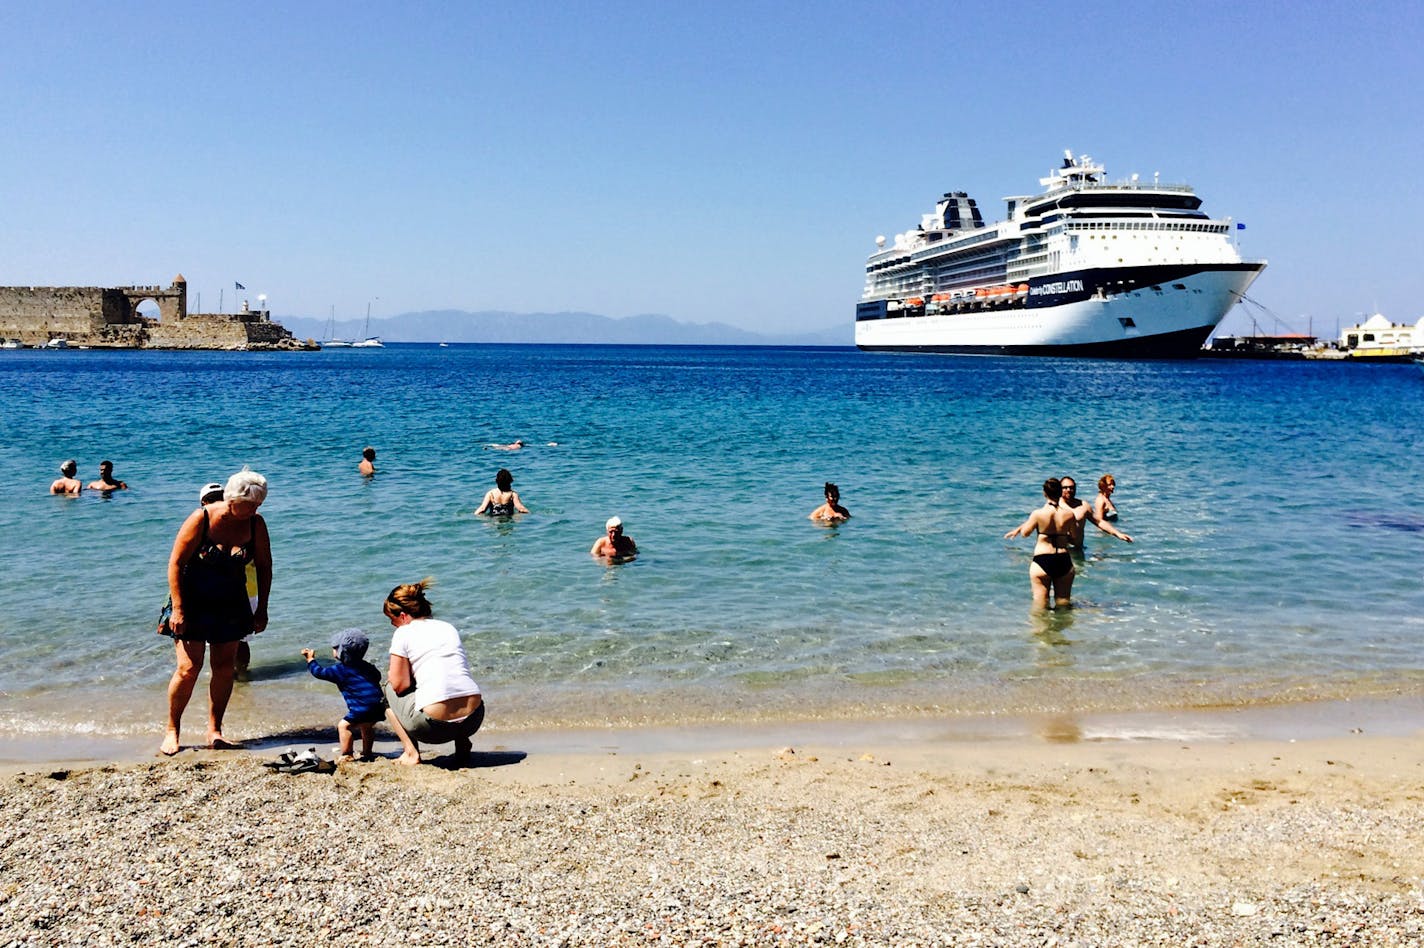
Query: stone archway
x,y
171,301
148,308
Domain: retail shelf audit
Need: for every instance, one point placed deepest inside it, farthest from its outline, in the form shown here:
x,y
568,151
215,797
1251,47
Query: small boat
x,y
12,344
330,343
370,342
58,342
444,345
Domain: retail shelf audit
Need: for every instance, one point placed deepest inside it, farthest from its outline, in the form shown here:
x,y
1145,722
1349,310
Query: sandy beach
x,y
1005,841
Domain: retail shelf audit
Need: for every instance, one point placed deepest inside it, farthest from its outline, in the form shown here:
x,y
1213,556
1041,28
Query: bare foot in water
x,y
169,747
408,759
219,743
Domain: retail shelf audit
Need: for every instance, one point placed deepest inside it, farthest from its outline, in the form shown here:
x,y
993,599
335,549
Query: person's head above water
x,y
503,479
69,468
368,453
1053,489
1106,483
409,599
833,493
210,493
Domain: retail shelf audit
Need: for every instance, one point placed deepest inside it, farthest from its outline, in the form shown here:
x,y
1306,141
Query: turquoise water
x,y
1275,505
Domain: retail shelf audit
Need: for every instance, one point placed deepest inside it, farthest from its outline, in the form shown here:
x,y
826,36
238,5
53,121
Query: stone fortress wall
x,y
108,317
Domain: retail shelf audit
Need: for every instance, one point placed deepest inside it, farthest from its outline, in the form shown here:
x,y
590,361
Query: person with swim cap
x,y
67,484
614,543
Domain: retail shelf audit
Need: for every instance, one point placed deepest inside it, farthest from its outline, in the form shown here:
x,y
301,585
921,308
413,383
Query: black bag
x,y
165,617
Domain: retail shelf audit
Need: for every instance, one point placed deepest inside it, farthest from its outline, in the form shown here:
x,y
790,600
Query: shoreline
x,y
1399,716
883,834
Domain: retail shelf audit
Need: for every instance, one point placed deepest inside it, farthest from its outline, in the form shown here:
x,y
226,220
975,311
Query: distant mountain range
x,y
451,325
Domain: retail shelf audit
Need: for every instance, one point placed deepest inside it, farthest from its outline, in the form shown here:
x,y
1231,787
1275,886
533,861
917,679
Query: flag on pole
x,y
239,286
1240,226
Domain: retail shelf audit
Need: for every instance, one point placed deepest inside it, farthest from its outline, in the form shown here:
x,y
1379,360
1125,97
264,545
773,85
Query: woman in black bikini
x,y
1052,565
502,501
207,580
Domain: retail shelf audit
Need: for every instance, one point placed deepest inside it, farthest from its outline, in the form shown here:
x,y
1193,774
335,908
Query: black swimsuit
x,y
505,509
214,584
1058,563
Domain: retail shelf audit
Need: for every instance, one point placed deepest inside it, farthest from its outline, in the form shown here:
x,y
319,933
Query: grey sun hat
x,y
350,644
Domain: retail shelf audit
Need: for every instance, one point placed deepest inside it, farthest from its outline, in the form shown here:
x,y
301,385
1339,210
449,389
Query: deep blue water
x,y
1276,508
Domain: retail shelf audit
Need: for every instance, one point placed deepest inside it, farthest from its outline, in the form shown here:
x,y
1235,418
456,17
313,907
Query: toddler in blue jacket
x,y
360,685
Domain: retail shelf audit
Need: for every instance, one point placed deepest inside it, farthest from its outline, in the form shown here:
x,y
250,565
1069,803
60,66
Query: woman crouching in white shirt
x,y
428,686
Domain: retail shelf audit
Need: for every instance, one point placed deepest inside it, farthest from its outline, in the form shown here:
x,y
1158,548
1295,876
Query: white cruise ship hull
x,y
1167,314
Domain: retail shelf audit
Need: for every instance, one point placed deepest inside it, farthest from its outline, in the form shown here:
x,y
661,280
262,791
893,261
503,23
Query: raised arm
x,y
1024,529
1106,527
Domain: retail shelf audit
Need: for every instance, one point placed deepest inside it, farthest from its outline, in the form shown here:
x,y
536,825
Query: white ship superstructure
x,y
1088,267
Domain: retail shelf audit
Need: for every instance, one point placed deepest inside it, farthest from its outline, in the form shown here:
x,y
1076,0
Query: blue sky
x,y
713,162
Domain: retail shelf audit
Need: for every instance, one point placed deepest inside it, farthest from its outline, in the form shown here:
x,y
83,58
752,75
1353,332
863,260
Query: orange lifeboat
x,y
917,301
980,293
1021,290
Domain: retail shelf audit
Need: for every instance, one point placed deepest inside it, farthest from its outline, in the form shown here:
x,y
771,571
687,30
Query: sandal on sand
x,y
309,766
284,759
306,762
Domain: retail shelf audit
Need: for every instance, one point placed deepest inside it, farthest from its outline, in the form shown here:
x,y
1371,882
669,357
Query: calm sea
x,y
1276,508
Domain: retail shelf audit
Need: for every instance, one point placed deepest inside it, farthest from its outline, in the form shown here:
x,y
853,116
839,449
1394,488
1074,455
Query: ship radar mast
x,y
1075,172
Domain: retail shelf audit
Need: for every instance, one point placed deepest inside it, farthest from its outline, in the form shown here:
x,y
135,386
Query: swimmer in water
x,y
67,484
1102,504
831,511
367,467
106,482
1051,569
503,501
1082,510
614,543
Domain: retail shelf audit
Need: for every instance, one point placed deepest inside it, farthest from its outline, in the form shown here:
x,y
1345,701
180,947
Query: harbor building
x,y
109,317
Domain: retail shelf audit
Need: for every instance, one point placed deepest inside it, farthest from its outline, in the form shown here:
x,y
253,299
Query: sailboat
x,y
370,342
331,343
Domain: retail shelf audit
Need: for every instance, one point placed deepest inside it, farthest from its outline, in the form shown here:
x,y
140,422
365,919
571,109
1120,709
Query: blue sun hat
x,y
350,645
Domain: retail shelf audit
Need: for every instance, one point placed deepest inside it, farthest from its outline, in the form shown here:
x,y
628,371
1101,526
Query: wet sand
x,y
892,834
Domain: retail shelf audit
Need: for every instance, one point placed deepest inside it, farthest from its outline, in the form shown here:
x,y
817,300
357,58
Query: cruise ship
x,y
1125,269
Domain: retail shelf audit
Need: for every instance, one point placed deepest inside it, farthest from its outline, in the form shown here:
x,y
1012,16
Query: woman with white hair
x,y
207,579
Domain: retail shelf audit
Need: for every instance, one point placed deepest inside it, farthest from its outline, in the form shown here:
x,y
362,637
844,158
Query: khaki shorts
x,y
422,727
